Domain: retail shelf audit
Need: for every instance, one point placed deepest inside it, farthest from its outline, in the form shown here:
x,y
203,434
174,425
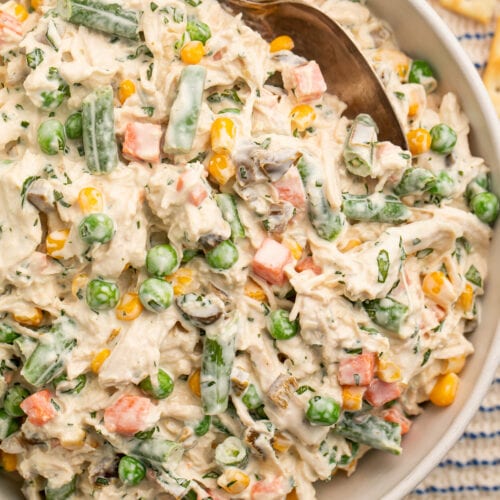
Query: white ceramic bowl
x,y
421,33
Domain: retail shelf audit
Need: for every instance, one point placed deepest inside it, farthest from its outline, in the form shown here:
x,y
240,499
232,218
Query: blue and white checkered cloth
x,y
472,467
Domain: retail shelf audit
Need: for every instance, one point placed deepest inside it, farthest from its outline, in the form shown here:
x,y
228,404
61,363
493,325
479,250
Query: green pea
x,y
198,30
223,256
280,327
156,294
485,206
251,398
102,295
161,260
14,397
7,334
131,471
421,72
322,410
203,426
444,139
73,126
96,228
163,387
51,137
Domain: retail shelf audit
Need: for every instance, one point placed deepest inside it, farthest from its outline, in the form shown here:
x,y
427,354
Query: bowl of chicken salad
x,y
213,284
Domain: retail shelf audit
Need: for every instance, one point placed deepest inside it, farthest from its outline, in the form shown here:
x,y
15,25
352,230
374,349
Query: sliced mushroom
x,y
210,240
281,390
41,196
278,217
200,310
247,169
275,164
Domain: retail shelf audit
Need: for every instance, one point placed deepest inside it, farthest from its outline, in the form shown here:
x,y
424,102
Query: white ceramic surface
x,y
422,34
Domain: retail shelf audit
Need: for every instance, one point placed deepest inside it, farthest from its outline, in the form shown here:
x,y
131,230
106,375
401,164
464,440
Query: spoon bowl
x,y
318,37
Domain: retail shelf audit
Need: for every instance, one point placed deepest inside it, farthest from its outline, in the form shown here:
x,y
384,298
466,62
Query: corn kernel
x,y
303,117
419,141
445,390
33,318
90,200
254,291
466,299
280,443
192,52
125,90
454,365
399,62
20,13
194,382
36,4
234,481
413,109
75,442
221,168
438,288
129,307
98,360
353,243
223,135
78,284
181,280
9,462
387,371
283,42
352,398
294,247
55,242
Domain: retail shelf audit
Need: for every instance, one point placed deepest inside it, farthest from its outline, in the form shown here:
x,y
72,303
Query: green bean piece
x,y
52,99
421,72
322,410
7,334
74,126
217,363
203,426
13,398
387,313
156,294
327,223
8,424
131,471
443,139
383,264
109,18
74,386
61,493
229,210
415,181
251,399
26,345
185,111
370,430
198,30
375,208
161,389
485,206
96,228
162,260
223,256
52,35
47,360
51,137
359,145
158,451
102,295
231,453
280,327
479,184
189,254
98,131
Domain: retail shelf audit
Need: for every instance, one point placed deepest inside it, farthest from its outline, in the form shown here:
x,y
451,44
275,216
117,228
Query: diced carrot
x,y
9,23
357,370
142,141
128,415
276,487
291,189
308,264
305,81
39,408
197,194
395,415
379,392
186,179
270,260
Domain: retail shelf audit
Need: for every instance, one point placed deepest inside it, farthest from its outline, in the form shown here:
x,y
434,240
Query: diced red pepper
x,y
308,264
197,194
270,260
305,81
394,415
271,488
9,23
357,370
290,188
128,415
39,408
380,392
142,141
